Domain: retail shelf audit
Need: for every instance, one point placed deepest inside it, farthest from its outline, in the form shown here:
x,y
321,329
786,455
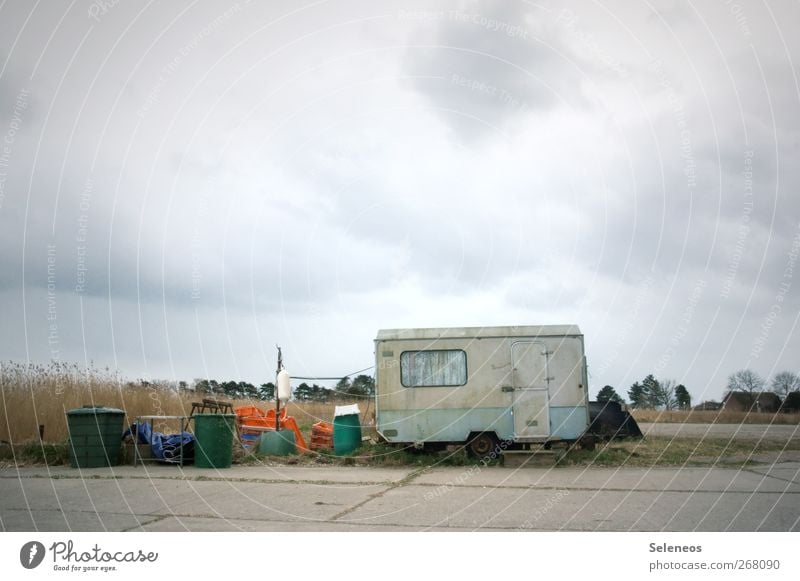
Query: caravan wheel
x,y
482,444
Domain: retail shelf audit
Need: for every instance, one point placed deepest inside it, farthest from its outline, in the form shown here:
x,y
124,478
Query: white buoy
x,y
284,385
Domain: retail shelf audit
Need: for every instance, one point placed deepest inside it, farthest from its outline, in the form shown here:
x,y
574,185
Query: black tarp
x,y
609,421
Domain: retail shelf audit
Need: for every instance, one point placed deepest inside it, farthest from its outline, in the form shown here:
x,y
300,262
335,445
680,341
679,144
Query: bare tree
x,y
666,394
747,381
785,382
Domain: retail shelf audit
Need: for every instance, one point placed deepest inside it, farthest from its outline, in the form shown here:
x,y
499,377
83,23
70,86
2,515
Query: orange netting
x,y
252,422
321,436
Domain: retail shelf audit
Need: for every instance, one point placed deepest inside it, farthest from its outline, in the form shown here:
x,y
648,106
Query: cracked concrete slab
x,y
515,509
134,496
343,474
788,472
594,478
195,524
277,501
360,498
79,521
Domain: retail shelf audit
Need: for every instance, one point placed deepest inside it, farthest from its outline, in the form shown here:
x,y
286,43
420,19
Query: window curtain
x,y
422,368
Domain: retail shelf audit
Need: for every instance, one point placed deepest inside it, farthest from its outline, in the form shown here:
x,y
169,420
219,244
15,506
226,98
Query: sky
x,y
185,185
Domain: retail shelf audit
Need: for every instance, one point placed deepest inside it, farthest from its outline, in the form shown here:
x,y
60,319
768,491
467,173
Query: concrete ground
x,y
341,498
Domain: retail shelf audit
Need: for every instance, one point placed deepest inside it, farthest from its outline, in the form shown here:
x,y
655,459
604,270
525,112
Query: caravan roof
x,y
480,332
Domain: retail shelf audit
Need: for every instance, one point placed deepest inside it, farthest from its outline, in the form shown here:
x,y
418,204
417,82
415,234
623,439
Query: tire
x,y
483,445
587,443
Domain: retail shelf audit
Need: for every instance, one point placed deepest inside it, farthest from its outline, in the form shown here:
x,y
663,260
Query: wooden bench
x,y
211,406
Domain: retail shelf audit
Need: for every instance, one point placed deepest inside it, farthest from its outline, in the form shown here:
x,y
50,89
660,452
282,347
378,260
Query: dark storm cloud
x,y
196,181
483,64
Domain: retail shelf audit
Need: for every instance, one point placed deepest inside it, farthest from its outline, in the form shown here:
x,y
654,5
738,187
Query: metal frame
x,y
184,425
391,341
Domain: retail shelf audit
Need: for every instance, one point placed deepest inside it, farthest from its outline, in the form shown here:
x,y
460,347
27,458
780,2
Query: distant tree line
x,y
651,393
751,384
359,386
232,389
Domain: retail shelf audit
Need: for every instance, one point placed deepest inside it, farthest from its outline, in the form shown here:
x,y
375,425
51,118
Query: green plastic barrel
x,y
346,434
95,436
281,443
214,435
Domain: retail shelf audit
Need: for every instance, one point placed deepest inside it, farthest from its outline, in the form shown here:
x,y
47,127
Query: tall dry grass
x,y
710,417
34,395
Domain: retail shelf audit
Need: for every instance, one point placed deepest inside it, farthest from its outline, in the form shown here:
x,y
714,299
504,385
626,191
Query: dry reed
x,y
39,395
711,417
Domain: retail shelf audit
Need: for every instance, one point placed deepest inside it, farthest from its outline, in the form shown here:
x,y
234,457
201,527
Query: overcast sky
x,y
185,184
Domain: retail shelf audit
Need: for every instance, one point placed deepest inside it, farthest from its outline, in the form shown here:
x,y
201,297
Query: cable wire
x,y
334,378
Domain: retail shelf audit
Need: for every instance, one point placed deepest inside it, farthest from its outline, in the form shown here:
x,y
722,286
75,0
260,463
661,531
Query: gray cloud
x,y
482,65
207,183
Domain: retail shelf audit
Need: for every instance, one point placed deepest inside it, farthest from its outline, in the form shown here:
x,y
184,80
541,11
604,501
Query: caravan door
x,y
530,407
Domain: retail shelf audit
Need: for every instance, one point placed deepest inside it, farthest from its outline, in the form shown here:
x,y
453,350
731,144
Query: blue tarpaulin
x,y
165,447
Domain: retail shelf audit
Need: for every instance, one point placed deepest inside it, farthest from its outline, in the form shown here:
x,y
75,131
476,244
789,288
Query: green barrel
x,y
281,443
95,436
346,434
214,434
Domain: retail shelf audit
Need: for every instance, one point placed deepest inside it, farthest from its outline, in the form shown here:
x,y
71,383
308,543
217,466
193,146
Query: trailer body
x,y
524,384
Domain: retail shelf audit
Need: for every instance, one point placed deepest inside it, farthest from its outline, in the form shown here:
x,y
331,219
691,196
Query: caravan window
x,y
433,368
